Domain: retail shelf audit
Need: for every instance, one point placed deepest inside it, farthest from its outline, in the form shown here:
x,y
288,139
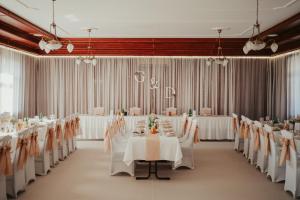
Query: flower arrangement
x,y
153,123
190,113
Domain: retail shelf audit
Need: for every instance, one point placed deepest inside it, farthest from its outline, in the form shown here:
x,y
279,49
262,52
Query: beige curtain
x,y
283,86
17,84
64,88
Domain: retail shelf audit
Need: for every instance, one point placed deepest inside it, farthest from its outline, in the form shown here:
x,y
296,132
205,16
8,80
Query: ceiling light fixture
x,y
90,59
257,43
220,59
50,44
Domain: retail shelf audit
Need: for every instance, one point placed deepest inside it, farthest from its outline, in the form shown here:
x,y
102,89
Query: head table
x,y
210,127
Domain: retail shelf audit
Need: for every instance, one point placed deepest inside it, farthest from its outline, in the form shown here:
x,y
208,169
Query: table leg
x,y
156,173
145,177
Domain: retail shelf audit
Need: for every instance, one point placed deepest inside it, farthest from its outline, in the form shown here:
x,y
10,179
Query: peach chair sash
x,y
67,130
77,123
72,128
257,140
242,130
246,130
58,134
234,124
34,149
5,160
50,138
285,152
196,138
107,139
268,136
22,144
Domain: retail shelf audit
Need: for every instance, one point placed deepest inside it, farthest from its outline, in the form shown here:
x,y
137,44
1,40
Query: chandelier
x,y
90,59
220,59
51,44
257,42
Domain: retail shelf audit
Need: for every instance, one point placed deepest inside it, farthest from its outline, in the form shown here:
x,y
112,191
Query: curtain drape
x,y
283,86
254,87
17,83
64,88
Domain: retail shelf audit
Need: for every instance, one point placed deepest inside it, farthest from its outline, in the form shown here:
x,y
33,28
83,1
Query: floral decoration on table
x,y
190,112
124,112
153,123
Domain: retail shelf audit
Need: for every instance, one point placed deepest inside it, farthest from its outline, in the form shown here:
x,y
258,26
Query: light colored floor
x,y
220,174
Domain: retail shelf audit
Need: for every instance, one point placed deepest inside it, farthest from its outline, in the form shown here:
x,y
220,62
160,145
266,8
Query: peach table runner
x,y
152,147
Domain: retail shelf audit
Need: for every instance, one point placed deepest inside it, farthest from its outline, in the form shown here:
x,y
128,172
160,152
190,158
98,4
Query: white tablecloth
x,y
210,127
136,149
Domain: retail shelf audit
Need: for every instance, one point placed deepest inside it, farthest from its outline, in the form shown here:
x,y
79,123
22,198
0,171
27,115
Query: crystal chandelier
x,y
257,43
90,59
220,59
51,44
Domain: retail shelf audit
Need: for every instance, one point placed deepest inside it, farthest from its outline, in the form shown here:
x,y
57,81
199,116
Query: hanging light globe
x,y
70,47
42,44
274,47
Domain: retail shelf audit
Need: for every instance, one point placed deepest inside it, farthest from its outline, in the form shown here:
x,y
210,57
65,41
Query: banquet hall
x,y
139,99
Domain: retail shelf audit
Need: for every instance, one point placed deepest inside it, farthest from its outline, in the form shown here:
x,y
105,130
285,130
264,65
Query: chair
x,y
33,151
183,125
246,135
42,162
118,143
70,129
252,151
61,142
262,160
5,154
206,111
99,111
54,158
238,141
135,111
290,156
187,147
17,182
171,111
187,130
297,127
273,149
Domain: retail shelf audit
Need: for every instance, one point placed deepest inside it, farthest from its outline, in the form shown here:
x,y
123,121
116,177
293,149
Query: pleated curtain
x,y
64,87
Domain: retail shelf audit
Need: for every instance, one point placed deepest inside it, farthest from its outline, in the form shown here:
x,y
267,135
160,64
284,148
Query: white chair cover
x,y
171,111
16,182
247,123
187,130
205,111
183,125
99,111
6,139
54,158
252,153
276,172
187,148
30,164
292,175
238,141
42,162
135,111
118,145
262,160
62,148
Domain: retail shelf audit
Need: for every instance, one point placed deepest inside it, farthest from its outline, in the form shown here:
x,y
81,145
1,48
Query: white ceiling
x,y
154,18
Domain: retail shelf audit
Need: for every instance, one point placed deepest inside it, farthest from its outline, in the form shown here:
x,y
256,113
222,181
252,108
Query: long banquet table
x,y
210,127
